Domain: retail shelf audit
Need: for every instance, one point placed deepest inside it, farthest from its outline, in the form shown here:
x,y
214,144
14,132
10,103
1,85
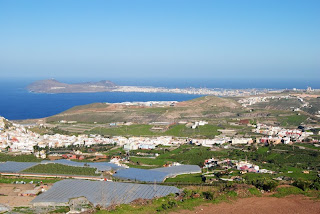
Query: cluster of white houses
x,y
280,135
200,91
18,139
243,166
245,102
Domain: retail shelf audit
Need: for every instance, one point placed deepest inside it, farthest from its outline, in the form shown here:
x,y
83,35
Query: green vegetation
x,y
61,169
18,158
207,131
115,152
184,153
315,106
188,178
9,180
282,158
308,145
251,177
49,209
60,210
254,191
282,104
264,184
181,155
155,162
279,158
285,191
293,120
133,130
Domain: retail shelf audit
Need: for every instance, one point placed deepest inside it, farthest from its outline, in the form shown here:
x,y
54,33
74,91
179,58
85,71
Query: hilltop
x,y
54,86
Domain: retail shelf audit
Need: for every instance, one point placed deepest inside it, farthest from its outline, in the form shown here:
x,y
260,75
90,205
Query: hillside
x,y
4,123
208,107
159,119
215,109
54,86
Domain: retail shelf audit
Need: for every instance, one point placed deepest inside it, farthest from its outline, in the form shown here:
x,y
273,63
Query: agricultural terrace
x,y
61,169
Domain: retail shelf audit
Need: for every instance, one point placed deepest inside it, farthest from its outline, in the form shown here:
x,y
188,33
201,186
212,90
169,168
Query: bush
x,y
232,194
167,206
282,192
265,184
315,184
302,184
187,193
208,195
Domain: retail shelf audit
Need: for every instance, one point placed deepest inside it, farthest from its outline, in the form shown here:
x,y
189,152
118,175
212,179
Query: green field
x,y
188,178
114,152
154,162
18,158
61,169
293,120
185,154
207,131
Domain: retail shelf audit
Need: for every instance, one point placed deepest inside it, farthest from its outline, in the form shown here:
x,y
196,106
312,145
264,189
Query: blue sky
x,y
104,39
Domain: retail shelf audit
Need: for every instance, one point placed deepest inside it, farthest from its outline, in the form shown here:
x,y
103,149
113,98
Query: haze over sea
x,y
17,103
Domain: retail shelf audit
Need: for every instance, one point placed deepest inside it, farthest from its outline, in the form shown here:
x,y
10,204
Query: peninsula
x,y
54,86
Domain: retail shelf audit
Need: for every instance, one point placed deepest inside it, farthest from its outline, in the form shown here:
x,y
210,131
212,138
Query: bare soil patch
x,y
266,205
9,195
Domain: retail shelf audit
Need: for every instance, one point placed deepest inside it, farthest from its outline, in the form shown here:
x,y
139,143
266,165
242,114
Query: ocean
x,y
16,103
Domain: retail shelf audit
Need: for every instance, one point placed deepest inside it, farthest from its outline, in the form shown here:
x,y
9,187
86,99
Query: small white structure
x,y
237,141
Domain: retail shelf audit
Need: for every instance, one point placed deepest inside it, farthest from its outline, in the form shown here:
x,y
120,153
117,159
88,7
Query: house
x,y
244,122
146,146
130,146
34,192
238,141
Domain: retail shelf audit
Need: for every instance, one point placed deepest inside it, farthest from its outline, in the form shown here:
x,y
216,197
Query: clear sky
x,y
108,39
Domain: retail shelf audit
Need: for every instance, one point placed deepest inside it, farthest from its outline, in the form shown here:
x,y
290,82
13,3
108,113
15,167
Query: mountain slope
x,y
201,108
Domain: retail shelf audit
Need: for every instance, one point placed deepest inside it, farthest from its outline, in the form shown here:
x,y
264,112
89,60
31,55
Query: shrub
x,y
282,192
167,206
265,184
232,194
208,195
302,184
